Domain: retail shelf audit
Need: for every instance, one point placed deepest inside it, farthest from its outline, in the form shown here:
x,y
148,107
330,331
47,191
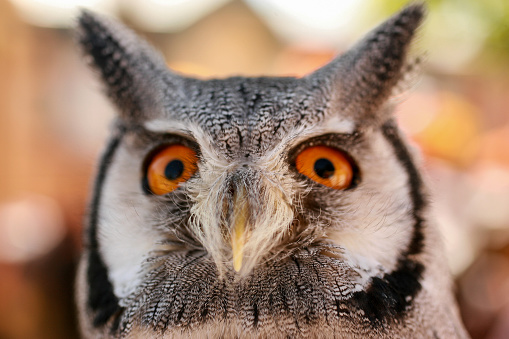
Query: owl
x,y
260,207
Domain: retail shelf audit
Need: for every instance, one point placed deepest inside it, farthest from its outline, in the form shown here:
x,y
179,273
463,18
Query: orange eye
x,y
170,167
325,165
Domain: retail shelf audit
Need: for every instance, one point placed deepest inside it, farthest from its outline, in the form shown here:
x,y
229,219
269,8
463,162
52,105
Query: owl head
x,y
262,206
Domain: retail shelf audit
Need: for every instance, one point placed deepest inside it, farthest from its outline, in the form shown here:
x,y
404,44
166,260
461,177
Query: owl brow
x,y
346,140
146,135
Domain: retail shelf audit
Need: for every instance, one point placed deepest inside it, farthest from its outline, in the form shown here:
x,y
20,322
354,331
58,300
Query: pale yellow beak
x,y
239,232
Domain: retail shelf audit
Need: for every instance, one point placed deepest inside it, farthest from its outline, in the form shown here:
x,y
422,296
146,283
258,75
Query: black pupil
x,y
324,168
174,169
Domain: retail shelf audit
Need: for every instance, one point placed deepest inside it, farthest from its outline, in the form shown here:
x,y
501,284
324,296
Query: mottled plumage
x,y
361,262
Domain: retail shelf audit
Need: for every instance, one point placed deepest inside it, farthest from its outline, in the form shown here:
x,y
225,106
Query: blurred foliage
x,y
489,18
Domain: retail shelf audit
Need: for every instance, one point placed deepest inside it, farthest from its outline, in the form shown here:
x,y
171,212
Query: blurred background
x,y
54,120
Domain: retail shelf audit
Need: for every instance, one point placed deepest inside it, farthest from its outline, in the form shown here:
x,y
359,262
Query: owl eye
x,y
169,167
325,165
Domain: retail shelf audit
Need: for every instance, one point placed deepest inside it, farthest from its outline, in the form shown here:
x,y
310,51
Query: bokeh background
x,y
54,121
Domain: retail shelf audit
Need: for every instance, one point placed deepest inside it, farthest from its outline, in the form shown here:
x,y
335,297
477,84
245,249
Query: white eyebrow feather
x,y
338,124
335,124
167,126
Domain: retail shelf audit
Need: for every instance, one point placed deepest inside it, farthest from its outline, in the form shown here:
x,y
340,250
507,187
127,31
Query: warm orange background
x,y
53,122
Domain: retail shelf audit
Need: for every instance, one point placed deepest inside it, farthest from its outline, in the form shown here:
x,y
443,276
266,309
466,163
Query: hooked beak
x,y
239,233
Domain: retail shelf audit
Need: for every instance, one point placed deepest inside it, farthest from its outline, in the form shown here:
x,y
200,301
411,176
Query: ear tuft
x,y
129,67
363,79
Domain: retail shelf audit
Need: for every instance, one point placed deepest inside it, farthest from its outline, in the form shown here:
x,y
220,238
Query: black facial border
x,y
389,298
101,300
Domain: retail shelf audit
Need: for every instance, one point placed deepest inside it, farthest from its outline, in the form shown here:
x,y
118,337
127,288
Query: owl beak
x,y
239,232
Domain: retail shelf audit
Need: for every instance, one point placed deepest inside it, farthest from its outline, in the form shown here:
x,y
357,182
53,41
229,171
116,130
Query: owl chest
x,y
295,296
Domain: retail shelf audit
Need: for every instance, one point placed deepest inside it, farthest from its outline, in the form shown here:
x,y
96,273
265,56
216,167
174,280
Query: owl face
x,y
256,206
